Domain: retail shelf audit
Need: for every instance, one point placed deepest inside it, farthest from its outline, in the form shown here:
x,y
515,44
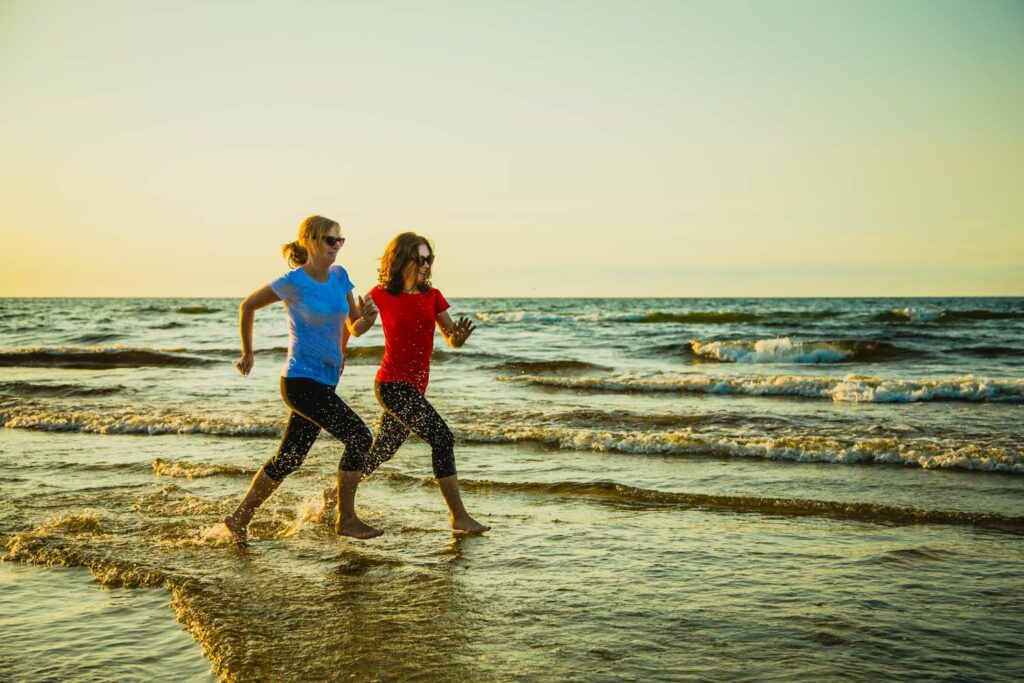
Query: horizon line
x,y
589,298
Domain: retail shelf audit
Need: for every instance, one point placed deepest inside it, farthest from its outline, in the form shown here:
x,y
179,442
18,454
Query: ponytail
x,y
295,253
311,231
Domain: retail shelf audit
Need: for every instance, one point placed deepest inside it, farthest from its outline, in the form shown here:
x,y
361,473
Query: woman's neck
x,y
317,271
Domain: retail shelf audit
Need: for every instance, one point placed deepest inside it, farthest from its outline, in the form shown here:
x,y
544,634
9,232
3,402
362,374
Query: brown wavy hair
x,y
404,248
311,230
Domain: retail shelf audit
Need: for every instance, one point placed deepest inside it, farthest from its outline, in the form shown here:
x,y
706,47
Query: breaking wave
x,y
796,448
133,422
196,470
64,542
848,389
98,358
786,350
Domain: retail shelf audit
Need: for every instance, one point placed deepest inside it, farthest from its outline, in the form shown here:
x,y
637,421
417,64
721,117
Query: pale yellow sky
x,y
549,149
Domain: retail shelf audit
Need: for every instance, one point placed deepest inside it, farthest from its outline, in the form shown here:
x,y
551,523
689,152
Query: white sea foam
x,y
917,314
779,350
848,389
799,448
129,422
195,470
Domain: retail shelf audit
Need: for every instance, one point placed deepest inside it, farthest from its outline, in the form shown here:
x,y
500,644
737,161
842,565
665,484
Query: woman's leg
x,y
391,434
413,410
319,404
299,435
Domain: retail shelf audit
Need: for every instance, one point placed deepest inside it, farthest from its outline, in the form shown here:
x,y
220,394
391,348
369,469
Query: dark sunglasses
x,y
424,260
332,240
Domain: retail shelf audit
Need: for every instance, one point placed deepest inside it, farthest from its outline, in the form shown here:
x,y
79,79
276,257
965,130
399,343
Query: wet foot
x,y
356,528
238,532
468,525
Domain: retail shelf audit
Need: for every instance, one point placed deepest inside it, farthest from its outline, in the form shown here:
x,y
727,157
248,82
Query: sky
x,y
576,148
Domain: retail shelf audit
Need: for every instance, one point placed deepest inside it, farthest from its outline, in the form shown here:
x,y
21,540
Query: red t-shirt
x,y
408,321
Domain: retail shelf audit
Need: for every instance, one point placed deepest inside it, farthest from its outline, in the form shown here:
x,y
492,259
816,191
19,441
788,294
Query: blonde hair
x,y
311,230
404,248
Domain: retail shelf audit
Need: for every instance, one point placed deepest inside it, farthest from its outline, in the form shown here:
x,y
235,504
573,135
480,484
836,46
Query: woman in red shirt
x,y
409,309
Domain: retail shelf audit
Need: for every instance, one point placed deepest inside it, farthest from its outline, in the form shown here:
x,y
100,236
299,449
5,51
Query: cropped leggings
x,y
315,406
407,410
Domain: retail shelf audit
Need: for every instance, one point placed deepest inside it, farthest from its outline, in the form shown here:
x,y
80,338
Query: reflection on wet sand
x,y
300,604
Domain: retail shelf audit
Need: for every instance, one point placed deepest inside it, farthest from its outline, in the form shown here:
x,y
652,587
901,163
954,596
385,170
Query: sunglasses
x,y
332,240
424,260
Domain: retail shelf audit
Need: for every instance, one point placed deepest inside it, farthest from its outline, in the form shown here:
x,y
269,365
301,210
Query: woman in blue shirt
x,y
318,298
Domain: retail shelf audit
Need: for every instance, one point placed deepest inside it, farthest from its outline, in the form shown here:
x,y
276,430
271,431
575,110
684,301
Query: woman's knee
x,y
380,451
282,464
361,439
442,438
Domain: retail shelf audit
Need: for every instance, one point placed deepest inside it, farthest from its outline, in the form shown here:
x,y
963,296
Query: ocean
x,y
679,489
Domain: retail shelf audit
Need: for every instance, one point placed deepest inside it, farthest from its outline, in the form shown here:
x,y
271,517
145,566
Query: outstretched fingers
x,y
463,328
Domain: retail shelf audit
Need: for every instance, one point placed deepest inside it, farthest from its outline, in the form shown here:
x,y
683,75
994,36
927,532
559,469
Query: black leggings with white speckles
x,y
315,406
407,410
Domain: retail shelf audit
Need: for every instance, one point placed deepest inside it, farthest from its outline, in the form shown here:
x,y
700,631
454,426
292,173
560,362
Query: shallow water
x,y
57,626
815,489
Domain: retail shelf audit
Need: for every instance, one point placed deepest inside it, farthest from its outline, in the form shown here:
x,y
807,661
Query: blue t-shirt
x,y
316,312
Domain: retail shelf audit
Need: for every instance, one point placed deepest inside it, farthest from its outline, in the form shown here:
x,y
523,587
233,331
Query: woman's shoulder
x,y
338,273
287,277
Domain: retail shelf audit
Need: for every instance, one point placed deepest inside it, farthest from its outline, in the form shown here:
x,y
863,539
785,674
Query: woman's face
x,y
414,271
325,253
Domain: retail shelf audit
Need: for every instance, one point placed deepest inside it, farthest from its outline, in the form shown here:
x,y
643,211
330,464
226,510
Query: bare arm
x,y
455,333
362,314
263,296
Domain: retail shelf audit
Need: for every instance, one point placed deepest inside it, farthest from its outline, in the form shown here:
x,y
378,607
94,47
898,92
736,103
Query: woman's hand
x,y
369,309
463,328
245,363
362,315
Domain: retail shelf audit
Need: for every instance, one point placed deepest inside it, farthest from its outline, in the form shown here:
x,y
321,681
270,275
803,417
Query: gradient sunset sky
x,y
784,148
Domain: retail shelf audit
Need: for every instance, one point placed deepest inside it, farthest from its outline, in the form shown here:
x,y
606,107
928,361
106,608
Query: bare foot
x,y
356,528
239,532
468,525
